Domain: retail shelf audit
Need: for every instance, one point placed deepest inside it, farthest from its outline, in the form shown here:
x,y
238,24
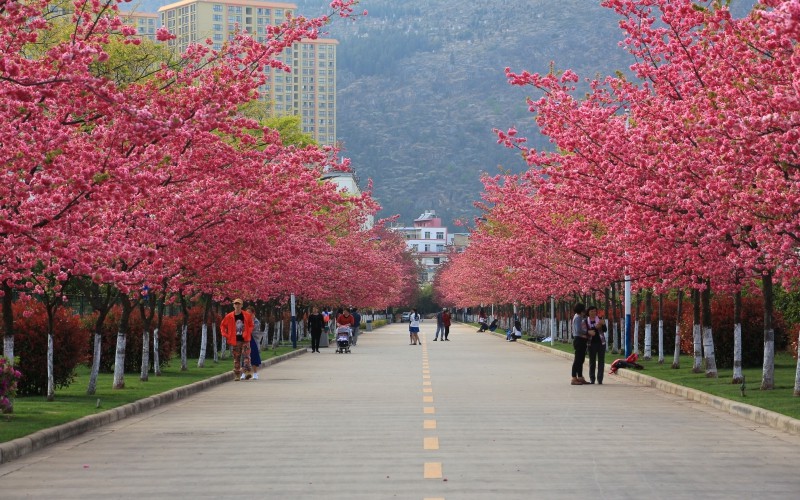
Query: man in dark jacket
x,y
356,324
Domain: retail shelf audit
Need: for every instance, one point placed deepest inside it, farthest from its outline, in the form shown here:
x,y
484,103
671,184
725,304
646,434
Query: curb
x,y
753,413
17,448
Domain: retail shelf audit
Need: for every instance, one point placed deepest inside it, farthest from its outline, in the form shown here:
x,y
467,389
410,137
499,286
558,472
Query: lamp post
x,y
628,333
552,320
293,334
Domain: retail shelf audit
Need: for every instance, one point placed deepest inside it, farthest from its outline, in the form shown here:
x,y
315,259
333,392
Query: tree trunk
x,y
676,357
184,330
156,357
661,329
696,333
797,372
51,384
768,371
119,359
201,359
8,324
738,376
51,303
214,341
145,369
708,339
92,387
636,323
614,331
161,305
648,325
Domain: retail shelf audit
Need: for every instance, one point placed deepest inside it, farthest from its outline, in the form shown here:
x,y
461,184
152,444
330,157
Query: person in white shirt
x,y
413,327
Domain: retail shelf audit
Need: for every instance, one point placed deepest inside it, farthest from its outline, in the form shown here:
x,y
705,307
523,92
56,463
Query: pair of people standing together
x,y
238,328
443,322
588,332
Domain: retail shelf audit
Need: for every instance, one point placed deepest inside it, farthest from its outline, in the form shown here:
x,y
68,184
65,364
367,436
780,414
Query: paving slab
x,y
472,418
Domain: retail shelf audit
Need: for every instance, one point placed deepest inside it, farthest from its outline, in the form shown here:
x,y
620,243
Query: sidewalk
x,y
473,418
756,414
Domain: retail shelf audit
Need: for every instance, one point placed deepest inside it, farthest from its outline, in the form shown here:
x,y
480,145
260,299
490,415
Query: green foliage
x,y
425,303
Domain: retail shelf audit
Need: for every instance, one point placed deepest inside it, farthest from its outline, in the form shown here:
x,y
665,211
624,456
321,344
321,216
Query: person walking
x,y
439,325
316,322
237,328
255,343
446,321
579,339
413,327
345,319
356,324
596,329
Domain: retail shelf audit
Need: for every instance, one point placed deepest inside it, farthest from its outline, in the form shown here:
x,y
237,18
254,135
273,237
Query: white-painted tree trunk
x,y
156,357
697,339
214,341
676,356
201,360
183,348
648,340
661,342
119,362
8,348
737,354
676,359
797,373
51,382
708,352
614,338
144,372
224,348
636,336
768,370
92,388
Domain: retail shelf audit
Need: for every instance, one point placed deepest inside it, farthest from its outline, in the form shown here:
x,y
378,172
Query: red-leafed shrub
x,y
195,330
30,344
722,331
167,340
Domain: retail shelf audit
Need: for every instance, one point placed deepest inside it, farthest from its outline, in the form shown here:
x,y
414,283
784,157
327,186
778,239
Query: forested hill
x,y
421,85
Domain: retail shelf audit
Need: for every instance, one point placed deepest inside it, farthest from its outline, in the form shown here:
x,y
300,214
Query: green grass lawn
x,y
34,413
780,400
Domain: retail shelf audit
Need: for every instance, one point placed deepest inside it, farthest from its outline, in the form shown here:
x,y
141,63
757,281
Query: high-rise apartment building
x,y
146,23
309,91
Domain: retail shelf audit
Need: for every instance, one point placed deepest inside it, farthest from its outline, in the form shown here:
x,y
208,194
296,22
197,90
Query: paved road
x,y
473,418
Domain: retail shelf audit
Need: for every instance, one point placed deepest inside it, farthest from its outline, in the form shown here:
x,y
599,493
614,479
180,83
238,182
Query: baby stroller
x,y
343,339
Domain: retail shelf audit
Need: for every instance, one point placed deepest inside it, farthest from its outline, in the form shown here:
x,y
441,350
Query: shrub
x,y
167,340
722,331
193,333
9,377
30,341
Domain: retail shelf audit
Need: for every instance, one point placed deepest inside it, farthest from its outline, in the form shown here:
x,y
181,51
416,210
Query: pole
x,y
294,326
628,332
552,320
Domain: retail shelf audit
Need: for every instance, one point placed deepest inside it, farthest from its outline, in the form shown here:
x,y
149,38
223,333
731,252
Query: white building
x,y
428,239
348,181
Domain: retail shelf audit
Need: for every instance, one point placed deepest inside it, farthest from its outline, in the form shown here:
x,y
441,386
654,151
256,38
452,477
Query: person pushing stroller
x,y
344,330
